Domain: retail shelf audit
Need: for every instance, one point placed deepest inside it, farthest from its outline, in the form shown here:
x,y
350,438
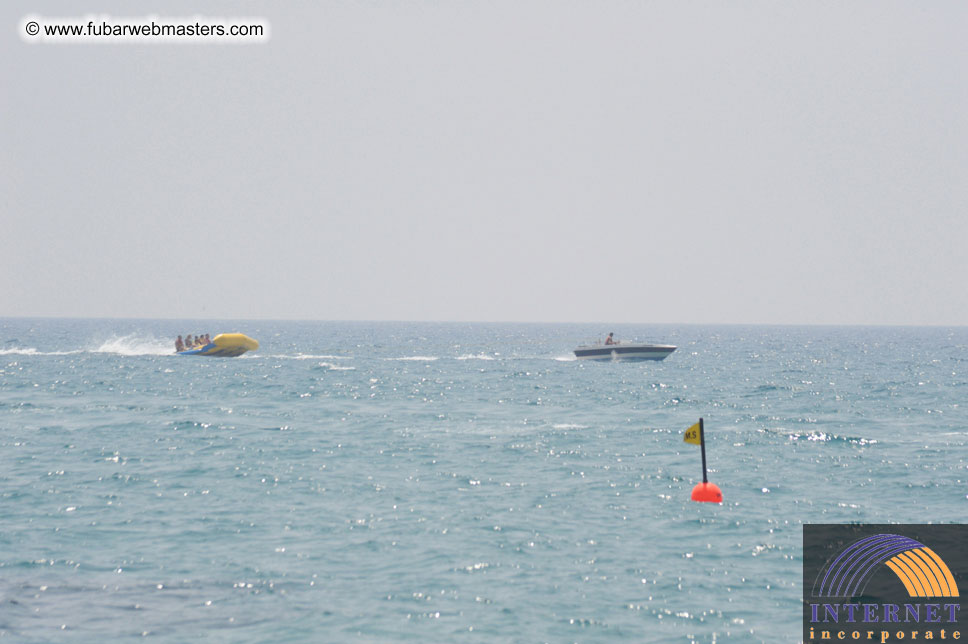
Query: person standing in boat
x,y
179,345
610,339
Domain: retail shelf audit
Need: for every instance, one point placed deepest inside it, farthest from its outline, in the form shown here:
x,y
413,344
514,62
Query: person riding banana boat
x,y
224,345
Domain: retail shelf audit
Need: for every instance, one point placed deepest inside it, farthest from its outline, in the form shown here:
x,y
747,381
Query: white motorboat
x,y
622,351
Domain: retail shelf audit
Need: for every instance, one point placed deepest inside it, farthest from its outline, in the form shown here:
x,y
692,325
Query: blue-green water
x,y
452,482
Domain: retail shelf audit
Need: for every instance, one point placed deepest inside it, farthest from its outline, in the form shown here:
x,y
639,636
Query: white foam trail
x,y
30,351
135,345
566,358
19,352
569,426
479,356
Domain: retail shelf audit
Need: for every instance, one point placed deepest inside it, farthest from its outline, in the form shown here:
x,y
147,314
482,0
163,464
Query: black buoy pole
x,y
702,446
705,492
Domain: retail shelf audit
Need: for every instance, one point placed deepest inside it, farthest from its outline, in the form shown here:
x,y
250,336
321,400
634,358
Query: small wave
x,y
765,388
569,426
417,358
335,367
309,356
479,356
135,345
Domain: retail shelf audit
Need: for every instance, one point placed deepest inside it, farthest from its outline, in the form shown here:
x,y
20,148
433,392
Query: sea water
x,y
424,482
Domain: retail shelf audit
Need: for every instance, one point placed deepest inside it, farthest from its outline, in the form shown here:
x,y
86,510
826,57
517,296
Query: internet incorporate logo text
x,y
883,583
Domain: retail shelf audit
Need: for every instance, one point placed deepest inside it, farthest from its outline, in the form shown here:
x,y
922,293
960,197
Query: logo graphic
x,y
883,583
919,568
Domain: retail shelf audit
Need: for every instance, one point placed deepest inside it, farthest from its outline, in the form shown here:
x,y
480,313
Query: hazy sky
x,y
616,161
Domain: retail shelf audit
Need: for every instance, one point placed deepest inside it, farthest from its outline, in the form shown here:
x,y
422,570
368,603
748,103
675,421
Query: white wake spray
x,y
135,345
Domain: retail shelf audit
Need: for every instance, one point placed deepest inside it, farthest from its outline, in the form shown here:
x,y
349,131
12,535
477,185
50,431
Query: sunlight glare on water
x,y
438,482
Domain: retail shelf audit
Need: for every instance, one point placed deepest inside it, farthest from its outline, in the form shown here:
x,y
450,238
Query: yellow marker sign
x,y
692,435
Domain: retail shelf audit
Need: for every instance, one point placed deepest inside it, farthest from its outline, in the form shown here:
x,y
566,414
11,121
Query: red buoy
x,y
707,493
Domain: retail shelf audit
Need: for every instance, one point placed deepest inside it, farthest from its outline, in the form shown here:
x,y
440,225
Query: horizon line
x,y
533,322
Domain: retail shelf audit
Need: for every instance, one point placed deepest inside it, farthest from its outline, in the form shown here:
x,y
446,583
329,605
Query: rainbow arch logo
x,y
919,568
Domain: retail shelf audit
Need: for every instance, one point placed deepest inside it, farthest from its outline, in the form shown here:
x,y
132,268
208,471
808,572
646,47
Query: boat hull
x,y
625,352
224,345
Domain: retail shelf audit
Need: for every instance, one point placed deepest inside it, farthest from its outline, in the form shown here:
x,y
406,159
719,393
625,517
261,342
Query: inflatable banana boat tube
x,y
224,345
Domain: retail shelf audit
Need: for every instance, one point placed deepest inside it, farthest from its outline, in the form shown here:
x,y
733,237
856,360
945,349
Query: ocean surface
x,y
424,482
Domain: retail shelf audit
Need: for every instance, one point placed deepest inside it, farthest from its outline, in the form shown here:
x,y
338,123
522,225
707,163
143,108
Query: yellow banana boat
x,y
224,345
